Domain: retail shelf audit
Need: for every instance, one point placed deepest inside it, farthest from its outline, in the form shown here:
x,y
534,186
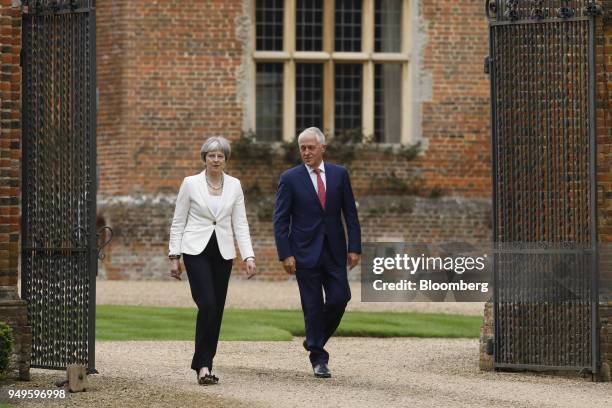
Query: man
x,y
310,240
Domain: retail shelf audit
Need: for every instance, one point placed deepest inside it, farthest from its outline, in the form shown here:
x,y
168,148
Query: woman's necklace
x,y
216,188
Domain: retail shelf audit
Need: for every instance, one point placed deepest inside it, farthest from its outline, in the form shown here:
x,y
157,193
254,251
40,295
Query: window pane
x,y
309,96
387,102
269,96
348,80
269,25
388,26
348,25
309,25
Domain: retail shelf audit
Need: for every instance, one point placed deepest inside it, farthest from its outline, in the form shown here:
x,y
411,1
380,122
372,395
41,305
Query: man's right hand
x,y
289,265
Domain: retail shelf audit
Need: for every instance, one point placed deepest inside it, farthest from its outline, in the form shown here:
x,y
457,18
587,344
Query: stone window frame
x,y
367,57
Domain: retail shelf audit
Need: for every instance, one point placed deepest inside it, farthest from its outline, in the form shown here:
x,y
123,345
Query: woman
x,y
209,212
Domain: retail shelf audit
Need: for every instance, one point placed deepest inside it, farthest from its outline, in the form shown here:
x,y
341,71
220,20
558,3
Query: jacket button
x,y
214,222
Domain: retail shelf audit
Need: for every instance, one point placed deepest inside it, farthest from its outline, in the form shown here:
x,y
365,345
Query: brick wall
x,y
166,79
10,153
167,75
12,309
604,128
604,182
140,250
604,154
456,120
112,34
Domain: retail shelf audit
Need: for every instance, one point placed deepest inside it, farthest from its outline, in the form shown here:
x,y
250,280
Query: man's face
x,y
311,150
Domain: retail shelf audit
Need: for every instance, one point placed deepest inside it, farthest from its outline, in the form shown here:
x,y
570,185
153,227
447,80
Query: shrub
x,y
246,147
265,208
291,152
6,347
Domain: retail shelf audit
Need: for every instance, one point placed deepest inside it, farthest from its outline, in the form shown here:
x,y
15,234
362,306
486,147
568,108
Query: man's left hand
x,y
352,259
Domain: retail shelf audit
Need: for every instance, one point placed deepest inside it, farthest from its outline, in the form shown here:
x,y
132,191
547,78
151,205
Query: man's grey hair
x,y
216,144
316,131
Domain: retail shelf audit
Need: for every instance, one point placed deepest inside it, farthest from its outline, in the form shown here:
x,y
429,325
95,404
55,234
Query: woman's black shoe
x,y
208,379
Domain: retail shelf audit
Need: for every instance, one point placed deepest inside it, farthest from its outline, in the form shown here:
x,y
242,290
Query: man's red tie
x,y
320,188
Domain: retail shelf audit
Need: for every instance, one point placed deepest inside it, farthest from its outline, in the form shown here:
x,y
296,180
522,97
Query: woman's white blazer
x,y
193,222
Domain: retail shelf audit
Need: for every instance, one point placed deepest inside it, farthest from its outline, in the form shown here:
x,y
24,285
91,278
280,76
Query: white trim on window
x,y
289,56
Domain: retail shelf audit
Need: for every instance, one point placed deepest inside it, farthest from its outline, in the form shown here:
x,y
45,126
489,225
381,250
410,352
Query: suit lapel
x,y
203,190
330,179
225,194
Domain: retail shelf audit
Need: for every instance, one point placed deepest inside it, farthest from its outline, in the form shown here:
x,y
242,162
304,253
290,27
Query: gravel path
x,y
399,372
244,294
366,373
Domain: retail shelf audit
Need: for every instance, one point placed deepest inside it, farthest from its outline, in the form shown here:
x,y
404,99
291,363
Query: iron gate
x,y
543,156
59,254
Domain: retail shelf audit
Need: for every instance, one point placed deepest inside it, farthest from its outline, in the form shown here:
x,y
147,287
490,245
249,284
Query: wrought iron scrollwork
x,y
101,255
491,9
520,11
538,12
35,7
566,11
512,13
593,8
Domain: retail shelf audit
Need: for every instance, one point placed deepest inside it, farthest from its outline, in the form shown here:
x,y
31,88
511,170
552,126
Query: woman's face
x,y
215,161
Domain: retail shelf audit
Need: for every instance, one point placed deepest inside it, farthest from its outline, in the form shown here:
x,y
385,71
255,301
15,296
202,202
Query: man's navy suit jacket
x,y
301,224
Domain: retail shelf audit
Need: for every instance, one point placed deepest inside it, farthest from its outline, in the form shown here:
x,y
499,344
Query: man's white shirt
x,y
313,176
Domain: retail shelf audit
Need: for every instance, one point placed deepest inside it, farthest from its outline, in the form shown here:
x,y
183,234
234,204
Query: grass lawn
x,y
156,323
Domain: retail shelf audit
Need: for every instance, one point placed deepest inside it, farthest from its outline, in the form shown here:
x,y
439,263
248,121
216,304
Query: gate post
x,y
485,359
13,310
603,65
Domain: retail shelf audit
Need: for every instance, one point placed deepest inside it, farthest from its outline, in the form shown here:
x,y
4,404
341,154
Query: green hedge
x,y
6,347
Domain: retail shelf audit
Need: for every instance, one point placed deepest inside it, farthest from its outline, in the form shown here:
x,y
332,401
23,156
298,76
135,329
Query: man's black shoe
x,y
321,371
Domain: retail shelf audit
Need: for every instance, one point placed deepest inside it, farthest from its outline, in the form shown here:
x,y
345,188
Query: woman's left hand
x,y
250,268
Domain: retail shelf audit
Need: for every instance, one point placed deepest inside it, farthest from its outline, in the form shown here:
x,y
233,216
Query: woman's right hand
x,y
175,269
